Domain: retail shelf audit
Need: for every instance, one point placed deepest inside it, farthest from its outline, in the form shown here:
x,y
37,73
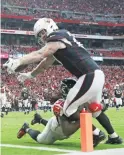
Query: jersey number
x,y
75,40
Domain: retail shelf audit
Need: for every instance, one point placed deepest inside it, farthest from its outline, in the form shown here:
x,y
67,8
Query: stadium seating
x,y
48,82
87,6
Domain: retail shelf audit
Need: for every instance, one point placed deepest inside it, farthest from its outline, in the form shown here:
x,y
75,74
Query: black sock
x,y
105,122
33,134
43,121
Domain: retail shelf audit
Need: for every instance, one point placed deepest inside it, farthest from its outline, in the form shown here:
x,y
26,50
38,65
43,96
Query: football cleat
x,y
98,138
22,131
37,119
117,140
2,115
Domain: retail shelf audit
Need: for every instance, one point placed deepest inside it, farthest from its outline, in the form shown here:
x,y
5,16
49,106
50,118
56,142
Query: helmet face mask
x,y
42,35
66,85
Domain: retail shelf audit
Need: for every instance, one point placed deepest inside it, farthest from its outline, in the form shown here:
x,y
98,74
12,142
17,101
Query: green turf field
x,y
11,123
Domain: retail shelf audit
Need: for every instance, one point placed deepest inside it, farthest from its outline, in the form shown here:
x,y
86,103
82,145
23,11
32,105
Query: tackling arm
x,y
68,127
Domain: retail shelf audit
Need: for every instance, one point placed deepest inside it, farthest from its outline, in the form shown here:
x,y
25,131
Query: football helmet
x,y
24,89
66,85
43,27
117,86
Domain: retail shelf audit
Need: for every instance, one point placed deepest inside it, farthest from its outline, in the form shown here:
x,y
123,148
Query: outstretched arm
x,y
44,64
68,127
49,49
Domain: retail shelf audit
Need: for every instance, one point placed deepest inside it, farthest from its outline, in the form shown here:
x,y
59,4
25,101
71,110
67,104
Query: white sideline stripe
x,y
119,151
38,148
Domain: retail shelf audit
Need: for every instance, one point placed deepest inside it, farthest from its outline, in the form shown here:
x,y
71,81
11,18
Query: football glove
x,y
11,65
58,107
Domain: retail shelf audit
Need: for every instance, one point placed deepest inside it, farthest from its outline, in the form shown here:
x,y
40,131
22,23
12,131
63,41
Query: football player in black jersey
x,y
106,97
118,96
25,99
62,46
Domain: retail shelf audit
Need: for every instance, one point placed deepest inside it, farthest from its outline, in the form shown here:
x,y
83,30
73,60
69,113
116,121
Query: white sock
x,y
27,130
114,135
96,131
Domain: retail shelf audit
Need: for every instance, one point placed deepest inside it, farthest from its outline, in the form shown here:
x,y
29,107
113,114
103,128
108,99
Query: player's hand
x,y
11,65
58,107
24,76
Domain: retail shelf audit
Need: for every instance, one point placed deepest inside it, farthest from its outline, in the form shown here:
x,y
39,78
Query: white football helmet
x,y
117,86
46,24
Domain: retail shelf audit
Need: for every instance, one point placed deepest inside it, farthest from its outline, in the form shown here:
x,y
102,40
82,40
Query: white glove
x,y
23,76
11,65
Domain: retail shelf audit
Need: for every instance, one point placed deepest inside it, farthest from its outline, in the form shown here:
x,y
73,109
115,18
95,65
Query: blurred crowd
x,y
58,6
21,50
47,83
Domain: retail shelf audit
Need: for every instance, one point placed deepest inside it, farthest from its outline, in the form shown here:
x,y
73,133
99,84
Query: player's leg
x,y
121,104
89,89
107,103
47,136
1,105
38,119
44,137
25,129
117,103
28,107
25,106
98,136
83,91
103,119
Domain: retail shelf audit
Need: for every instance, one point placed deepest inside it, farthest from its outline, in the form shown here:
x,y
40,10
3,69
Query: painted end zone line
x,y
38,148
119,151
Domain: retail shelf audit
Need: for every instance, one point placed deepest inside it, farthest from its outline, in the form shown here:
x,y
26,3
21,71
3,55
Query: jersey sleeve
x,y
54,38
58,36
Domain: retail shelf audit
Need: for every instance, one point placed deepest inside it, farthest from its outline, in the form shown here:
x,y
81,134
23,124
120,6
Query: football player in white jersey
x,y
3,99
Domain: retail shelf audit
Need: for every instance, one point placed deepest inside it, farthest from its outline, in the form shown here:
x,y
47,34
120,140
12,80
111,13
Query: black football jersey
x,y
118,93
24,95
75,58
105,95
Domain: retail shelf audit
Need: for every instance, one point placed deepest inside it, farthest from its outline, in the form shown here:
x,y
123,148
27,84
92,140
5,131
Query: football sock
x,y
114,135
43,121
33,133
105,122
96,131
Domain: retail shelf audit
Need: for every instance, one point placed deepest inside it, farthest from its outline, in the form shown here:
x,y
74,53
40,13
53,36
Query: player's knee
x,y
44,140
96,114
95,107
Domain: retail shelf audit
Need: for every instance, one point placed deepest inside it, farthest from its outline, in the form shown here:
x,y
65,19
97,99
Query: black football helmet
x,y
25,90
66,85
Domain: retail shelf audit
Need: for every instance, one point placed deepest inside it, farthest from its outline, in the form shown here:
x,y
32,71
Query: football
x,y
20,68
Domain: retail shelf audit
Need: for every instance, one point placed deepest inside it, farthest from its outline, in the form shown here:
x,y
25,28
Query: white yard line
x,y
116,151
100,152
38,148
